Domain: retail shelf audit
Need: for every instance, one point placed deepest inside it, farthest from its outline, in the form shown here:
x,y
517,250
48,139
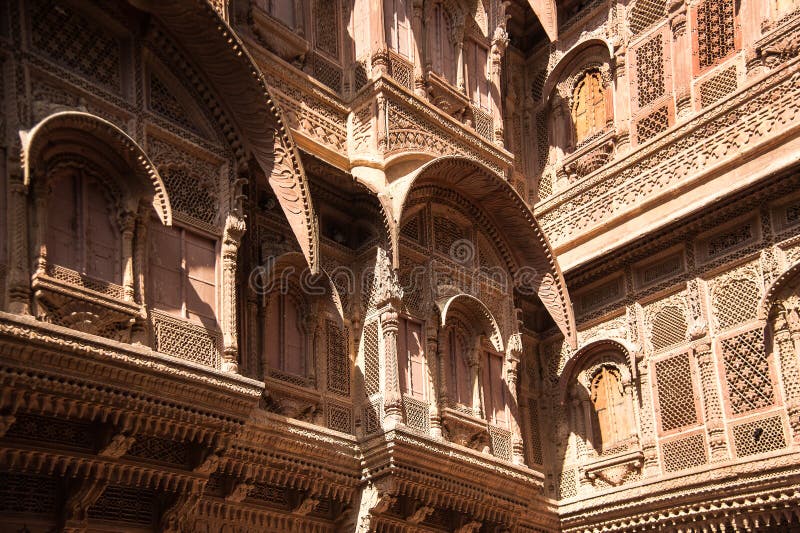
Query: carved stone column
x,y
622,100
377,37
41,192
715,427
127,221
512,377
392,397
681,57
474,363
647,421
787,341
231,239
19,277
499,44
434,384
458,36
419,61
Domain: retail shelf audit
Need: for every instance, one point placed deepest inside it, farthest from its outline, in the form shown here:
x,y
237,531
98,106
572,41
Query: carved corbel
x,y
306,506
375,500
6,421
420,514
175,518
76,507
470,527
117,446
698,326
239,492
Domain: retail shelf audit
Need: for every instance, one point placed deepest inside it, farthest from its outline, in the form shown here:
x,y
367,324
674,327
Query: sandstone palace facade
x,y
397,266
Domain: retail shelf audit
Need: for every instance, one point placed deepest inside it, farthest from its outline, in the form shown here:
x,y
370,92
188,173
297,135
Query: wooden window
x,y
477,57
494,390
81,231
398,27
286,338
444,57
410,359
283,10
183,274
460,381
612,424
588,106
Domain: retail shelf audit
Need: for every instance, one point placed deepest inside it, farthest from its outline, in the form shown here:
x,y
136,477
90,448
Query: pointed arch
x,y
476,310
70,125
528,256
618,346
262,132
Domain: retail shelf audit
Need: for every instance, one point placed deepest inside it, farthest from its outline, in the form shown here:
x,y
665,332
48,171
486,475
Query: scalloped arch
x,y
478,310
104,131
222,58
530,258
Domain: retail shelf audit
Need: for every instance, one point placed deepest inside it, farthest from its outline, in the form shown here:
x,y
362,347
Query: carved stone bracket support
x,y
81,497
715,427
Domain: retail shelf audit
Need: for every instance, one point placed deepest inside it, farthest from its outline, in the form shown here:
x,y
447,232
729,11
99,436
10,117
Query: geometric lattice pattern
x,y
191,195
650,71
338,360
727,241
417,416
326,72
501,443
535,442
76,43
20,493
163,102
129,505
736,302
715,31
275,495
76,279
645,13
340,418
484,124
160,449
326,27
52,430
675,392
747,372
372,417
372,378
653,124
668,328
185,340
718,86
402,72
684,453
446,232
567,485
759,436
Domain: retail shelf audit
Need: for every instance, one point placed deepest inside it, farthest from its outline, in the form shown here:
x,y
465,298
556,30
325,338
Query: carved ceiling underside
x,y
529,256
546,12
67,123
212,43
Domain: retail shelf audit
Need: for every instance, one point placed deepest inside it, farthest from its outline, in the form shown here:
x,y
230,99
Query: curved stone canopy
x,y
220,55
70,125
528,254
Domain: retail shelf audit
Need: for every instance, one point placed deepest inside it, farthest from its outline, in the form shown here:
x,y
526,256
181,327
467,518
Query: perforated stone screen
x,y
747,372
675,392
759,436
684,453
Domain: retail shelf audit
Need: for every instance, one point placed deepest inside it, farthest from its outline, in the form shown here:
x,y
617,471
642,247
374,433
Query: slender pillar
x,y
392,397
512,377
435,383
681,57
127,221
787,341
232,238
715,426
418,38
